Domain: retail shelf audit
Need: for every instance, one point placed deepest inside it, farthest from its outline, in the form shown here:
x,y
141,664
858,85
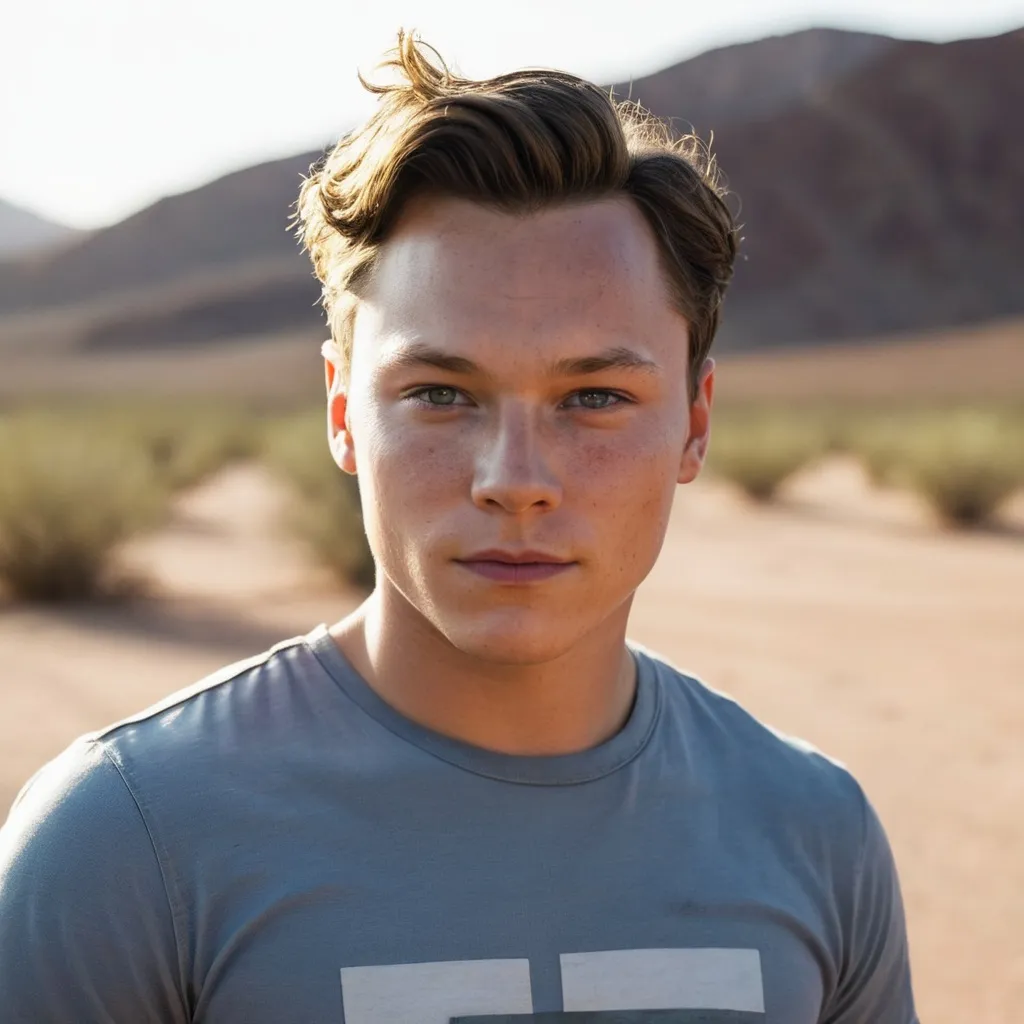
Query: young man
x,y
472,799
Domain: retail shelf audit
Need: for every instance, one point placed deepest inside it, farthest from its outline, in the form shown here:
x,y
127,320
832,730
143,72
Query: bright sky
x,y
105,105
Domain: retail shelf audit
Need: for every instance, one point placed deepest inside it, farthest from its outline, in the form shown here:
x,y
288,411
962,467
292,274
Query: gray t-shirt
x,y
276,845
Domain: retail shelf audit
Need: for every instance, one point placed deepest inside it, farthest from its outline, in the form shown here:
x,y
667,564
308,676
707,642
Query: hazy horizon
x,y
134,120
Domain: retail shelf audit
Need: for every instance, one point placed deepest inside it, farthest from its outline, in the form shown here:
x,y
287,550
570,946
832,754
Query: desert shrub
x,y
965,464
68,499
964,461
186,443
880,443
759,450
185,440
326,514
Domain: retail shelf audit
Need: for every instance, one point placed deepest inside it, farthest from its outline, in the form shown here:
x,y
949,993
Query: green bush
x,y
964,461
760,450
879,442
68,499
965,465
326,515
186,443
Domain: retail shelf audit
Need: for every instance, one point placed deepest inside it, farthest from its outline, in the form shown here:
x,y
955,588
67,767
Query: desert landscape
x,y
840,613
850,566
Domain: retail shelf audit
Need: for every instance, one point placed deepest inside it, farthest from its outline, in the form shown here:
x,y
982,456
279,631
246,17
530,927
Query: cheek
x,y
628,488
412,467
634,469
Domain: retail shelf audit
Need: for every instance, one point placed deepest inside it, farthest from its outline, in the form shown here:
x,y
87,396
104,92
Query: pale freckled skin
x,y
514,461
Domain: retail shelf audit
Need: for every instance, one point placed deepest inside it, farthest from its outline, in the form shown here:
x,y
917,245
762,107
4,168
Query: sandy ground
x,y
841,615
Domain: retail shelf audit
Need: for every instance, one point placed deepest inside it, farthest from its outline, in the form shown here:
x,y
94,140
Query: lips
x,y
526,557
515,566
516,572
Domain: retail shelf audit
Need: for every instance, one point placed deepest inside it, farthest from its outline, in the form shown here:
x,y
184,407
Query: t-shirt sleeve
x,y
86,926
874,985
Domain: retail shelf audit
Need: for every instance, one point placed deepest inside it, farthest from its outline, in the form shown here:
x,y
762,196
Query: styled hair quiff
x,y
518,142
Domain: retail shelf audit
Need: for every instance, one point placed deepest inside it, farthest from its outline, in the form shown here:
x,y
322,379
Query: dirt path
x,y
842,615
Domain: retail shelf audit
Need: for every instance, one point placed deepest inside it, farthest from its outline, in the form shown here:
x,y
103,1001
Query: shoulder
x,y
74,788
806,812
73,830
784,777
234,682
87,919
231,711
107,795
86,789
162,754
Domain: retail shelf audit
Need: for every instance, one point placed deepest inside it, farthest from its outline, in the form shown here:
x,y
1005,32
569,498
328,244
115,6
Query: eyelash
x,y
418,393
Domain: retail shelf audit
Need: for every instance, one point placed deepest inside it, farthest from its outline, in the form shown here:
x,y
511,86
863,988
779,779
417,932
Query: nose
x,y
514,470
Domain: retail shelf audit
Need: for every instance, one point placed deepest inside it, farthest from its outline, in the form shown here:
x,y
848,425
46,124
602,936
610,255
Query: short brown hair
x,y
518,142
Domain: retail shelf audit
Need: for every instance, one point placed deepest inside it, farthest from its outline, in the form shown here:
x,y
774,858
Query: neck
x,y
571,703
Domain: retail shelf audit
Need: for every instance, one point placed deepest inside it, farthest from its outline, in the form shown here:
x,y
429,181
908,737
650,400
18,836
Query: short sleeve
x,y
874,985
86,927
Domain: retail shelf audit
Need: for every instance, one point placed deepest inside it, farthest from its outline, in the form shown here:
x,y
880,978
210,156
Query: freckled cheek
x,y
417,467
621,474
626,492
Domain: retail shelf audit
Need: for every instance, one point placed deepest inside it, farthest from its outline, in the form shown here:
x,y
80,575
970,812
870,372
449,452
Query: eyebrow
x,y
616,358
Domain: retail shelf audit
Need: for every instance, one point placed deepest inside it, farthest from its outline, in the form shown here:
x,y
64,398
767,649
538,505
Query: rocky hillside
x,y
887,200
22,233
878,183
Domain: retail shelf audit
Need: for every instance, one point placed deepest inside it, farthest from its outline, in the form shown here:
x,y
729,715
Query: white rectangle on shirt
x,y
431,993
663,979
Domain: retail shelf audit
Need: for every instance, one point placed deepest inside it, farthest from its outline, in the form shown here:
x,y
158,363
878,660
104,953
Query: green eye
x,y
598,399
436,396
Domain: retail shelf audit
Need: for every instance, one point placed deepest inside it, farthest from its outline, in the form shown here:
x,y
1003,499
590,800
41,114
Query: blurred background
x,y
851,566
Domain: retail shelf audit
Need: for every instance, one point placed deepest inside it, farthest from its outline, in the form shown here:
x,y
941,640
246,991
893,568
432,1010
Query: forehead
x,y
459,273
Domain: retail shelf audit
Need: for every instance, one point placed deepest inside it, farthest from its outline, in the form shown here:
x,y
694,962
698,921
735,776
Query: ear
x,y
699,427
339,433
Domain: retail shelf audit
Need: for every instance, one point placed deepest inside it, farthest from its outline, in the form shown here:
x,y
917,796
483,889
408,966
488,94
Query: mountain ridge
x,y
24,233
876,180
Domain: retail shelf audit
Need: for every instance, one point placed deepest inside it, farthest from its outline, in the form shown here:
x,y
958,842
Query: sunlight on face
x,y
519,382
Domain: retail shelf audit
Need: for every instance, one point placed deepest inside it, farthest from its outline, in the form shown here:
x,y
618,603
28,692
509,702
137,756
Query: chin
x,y
510,637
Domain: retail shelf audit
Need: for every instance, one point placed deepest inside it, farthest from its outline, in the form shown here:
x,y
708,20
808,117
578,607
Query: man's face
x,y
518,382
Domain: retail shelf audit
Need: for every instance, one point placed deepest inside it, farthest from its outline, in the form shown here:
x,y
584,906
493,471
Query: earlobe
x,y
339,435
343,453
693,459
696,447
